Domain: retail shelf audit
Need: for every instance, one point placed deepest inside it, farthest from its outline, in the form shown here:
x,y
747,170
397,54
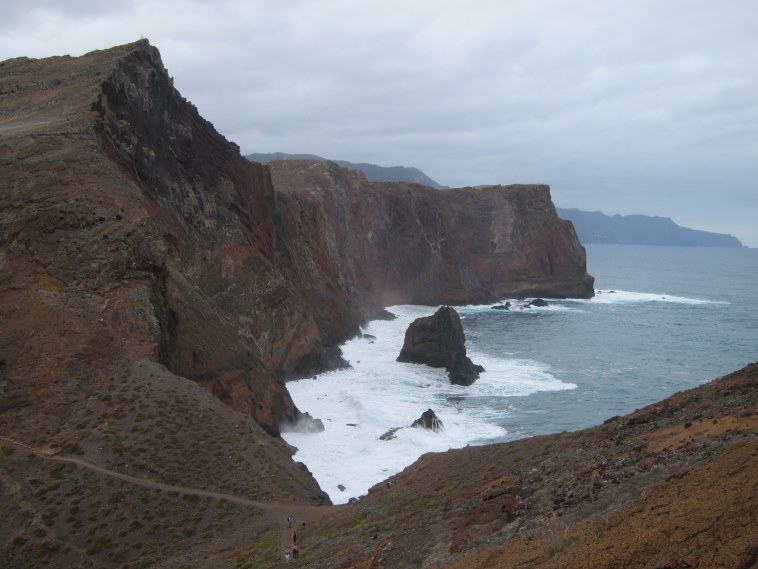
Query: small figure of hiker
x,y
294,538
286,555
295,552
289,521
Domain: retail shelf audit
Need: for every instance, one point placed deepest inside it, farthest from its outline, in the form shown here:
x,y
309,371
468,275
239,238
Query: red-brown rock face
x,y
130,229
396,243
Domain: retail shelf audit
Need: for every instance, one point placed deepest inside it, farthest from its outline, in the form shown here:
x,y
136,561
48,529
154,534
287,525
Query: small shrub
x,y
736,445
57,470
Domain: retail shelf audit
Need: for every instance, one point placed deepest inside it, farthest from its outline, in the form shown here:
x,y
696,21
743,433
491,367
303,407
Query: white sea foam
x,y
628,297
518,306
358,405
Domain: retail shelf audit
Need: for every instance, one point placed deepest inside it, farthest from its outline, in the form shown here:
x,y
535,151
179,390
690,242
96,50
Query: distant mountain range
x,y
597,227
591,227
373,172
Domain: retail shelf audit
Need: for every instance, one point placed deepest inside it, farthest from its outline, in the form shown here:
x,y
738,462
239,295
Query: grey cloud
x,y
644,107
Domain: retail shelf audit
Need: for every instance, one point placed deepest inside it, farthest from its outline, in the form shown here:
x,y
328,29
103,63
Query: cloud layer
x,y
625,107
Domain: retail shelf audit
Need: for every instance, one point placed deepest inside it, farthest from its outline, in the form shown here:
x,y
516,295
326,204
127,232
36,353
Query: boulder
x,y
506,306
538,302
428,421
438,341
384,315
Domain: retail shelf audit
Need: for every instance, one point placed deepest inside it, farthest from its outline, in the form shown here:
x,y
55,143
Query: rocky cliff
x,y
128,218
130,230
407,243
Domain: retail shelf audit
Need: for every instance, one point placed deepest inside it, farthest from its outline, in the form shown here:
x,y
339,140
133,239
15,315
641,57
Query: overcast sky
x,y
645,106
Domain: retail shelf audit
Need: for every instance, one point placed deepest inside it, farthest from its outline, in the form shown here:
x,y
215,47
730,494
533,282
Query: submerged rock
x,y
389,435
438,341
384,315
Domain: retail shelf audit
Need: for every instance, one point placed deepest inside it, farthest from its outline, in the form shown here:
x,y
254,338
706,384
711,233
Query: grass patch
x,y
557,540
57,470
265,555
736,445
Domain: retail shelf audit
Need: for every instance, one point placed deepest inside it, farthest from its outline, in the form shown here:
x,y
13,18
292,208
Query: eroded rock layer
x,y
407,243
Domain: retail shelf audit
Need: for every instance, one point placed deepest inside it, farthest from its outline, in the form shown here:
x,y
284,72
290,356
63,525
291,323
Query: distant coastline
x,y
597,227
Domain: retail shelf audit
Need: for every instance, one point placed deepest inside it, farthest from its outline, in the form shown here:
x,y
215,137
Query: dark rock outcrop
x,y
538,302
305,424
438,341
384,314
428,421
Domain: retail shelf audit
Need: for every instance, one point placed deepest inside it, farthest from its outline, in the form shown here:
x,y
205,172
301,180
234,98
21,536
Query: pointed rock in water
x,y
428,421
506,306
438,341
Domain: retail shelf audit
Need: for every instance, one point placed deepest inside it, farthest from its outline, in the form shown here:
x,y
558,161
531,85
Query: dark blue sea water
x,y
678,317
664,319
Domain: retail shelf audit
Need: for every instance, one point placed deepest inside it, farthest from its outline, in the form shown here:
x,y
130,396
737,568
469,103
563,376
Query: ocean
x,y
663,319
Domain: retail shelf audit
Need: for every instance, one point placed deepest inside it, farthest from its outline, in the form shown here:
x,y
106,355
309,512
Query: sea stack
x,y
438,341
428,421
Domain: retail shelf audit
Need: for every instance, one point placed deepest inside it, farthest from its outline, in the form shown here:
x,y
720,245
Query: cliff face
x,y
122,202
131,230
407,243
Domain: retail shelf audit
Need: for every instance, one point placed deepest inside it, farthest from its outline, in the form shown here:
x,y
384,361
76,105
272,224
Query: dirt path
x,y
302,514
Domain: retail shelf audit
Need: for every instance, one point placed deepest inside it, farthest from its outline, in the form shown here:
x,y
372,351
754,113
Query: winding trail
x,y
301,513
